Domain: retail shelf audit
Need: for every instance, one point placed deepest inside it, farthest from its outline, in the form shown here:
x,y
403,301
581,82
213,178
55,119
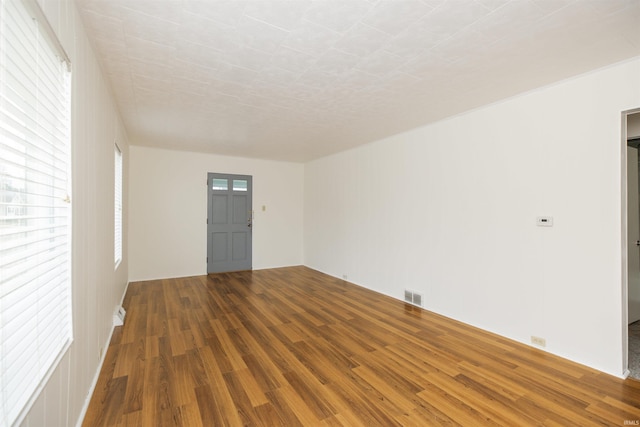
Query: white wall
x,y
449,210
97,287
168,200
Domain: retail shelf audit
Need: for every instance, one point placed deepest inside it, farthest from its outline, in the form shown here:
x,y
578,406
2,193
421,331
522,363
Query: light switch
x,y
264,208
544,221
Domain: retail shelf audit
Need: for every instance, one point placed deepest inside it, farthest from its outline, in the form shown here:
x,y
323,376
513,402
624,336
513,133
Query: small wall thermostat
x,y
544,221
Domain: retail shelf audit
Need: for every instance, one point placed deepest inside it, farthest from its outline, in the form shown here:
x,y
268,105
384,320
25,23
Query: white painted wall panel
x,y
449,210
168,213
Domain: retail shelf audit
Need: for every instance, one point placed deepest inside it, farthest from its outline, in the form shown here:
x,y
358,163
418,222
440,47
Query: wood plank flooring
x,y
294,347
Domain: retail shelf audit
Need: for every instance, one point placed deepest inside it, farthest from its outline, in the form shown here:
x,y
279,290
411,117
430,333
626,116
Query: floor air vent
x,y
118,316
413,297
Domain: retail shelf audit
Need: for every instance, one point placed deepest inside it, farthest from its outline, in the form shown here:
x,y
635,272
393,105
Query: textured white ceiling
x,y
300,79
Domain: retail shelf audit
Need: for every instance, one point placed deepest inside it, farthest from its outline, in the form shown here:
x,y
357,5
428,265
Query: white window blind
x,y
118,206
35,228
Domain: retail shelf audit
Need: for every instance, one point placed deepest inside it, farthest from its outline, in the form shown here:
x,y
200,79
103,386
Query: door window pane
x,y
220,184
239,185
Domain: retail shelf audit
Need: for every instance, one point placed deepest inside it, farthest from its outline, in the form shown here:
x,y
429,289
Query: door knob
x,y
637,242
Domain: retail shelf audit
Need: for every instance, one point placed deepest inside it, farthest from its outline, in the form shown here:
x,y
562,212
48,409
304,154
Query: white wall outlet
x,y
540,342
544,221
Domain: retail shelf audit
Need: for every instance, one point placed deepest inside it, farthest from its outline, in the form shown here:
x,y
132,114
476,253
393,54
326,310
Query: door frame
x,y
624,241
231,177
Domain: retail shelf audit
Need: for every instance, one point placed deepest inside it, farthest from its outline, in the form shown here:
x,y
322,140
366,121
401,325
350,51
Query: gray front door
x,y
229,226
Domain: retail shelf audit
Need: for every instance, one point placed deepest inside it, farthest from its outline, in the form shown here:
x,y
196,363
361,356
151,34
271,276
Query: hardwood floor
x,y
294,347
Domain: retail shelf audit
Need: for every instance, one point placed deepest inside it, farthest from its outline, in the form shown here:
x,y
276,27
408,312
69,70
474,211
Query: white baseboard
x,y
92,387
94,382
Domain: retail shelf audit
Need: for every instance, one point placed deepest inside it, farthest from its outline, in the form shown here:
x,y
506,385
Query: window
x,y
239,185
219,184
118,206
35,214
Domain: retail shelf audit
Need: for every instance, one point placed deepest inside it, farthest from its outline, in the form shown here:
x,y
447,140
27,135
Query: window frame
x,y
118,205
36,233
